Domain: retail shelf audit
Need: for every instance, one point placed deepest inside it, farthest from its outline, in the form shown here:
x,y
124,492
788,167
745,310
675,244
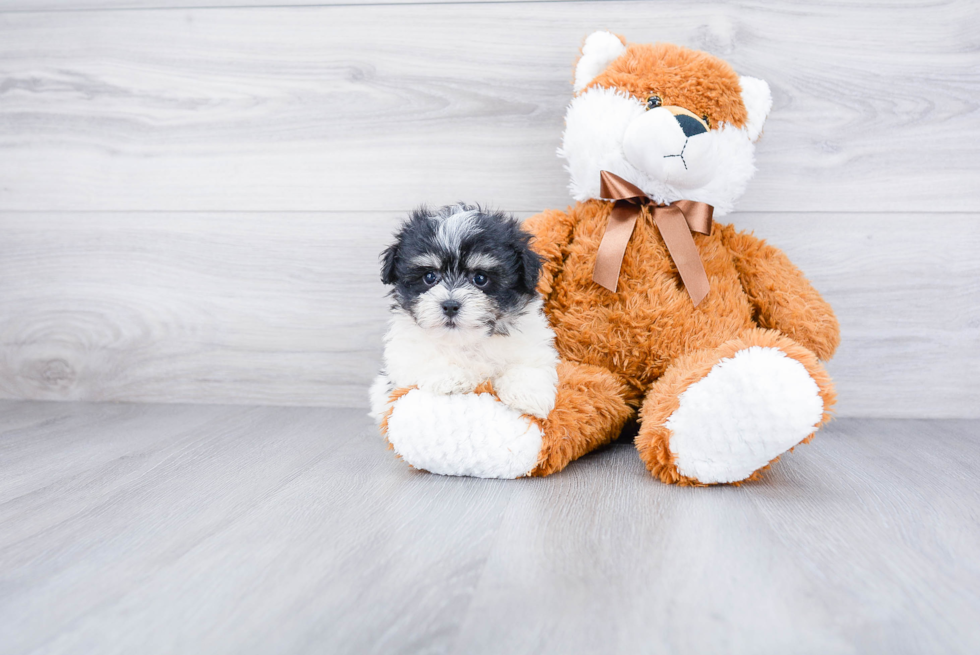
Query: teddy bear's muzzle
x,y
665,143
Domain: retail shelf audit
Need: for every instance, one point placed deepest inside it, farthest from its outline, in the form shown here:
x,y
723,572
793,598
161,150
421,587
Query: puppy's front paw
x,y
451,381
528,390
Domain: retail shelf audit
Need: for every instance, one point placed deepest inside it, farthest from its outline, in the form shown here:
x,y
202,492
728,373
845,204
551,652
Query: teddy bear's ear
x,y
758,102
599,50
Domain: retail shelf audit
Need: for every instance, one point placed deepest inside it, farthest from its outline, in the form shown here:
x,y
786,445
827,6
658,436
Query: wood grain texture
x,y
832,537
365,107
35,6
250,530
289,310
192,199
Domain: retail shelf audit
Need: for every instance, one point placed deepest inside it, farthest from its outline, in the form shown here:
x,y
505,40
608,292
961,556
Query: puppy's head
x,y
461,269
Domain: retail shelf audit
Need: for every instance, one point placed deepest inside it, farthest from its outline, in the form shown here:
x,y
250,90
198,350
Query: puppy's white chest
x,y
487,359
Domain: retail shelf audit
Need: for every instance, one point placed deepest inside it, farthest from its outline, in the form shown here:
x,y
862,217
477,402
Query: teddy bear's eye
x,y
653,102
707,122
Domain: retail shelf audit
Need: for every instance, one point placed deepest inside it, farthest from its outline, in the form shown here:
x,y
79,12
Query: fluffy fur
x,y
743,456
465,311
474,434
721,389
598,51
465,434
665,149
725,429
589,412
650,321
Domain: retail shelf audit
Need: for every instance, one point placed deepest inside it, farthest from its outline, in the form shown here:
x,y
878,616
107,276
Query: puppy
x,y
465,310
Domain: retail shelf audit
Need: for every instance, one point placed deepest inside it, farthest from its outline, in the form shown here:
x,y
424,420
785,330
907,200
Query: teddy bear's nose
x,y
690,125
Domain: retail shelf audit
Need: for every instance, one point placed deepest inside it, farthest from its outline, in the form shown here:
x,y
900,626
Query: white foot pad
x,y
747,411
463,434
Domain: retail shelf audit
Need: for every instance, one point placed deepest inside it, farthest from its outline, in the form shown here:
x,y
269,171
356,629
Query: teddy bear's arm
x,y
552,230
783,298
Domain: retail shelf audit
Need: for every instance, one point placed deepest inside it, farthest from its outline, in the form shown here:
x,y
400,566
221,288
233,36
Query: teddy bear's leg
x,y
590,410
475,434
723,414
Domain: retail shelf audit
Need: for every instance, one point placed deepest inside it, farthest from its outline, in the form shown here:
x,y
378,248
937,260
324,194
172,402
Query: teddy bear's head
x,y
677,123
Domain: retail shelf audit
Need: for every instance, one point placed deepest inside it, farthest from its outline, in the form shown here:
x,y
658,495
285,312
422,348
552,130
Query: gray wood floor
x,y
219,529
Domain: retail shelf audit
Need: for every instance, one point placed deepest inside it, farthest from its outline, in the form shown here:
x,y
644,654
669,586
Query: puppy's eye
x,y
430,278
653,102
481,280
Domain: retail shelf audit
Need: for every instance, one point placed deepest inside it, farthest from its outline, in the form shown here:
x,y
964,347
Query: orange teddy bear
x,y
711,337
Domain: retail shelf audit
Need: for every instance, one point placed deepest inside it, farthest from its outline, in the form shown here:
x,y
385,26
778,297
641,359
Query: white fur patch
x,y
758,101
748,410
599,50
378,396
529,390
481,261
453,228
595,125
427,260
717,165
458,360
470,434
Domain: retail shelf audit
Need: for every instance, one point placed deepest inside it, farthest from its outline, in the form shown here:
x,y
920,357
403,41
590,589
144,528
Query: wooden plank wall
x,y
192,199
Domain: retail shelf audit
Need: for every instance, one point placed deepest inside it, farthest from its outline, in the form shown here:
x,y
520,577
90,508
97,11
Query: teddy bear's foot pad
x,y
748,410
463,434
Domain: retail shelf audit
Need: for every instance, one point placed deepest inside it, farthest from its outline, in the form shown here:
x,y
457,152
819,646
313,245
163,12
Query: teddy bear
x,y
708,337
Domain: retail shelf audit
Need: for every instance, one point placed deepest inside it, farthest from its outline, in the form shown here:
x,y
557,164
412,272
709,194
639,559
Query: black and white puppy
x,y
466,311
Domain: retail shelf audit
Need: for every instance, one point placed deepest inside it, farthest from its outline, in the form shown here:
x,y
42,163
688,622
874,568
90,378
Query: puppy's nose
x,y
690,125
450,307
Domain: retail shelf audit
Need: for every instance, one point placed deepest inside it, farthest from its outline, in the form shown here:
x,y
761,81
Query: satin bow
x,y
675,221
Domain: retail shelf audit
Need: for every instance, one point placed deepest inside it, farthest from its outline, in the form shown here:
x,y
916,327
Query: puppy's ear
x,y
530,265
389,260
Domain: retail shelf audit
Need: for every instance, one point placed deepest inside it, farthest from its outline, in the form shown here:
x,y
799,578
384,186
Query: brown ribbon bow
x,y
675,221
